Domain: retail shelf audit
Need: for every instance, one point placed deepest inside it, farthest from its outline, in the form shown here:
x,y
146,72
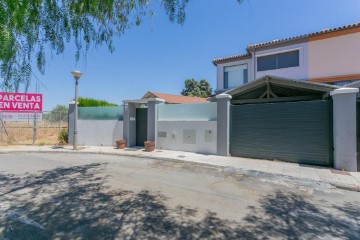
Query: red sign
x,y
20,102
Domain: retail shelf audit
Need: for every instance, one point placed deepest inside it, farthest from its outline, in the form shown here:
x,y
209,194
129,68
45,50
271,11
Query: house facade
x,y
284,100
330,56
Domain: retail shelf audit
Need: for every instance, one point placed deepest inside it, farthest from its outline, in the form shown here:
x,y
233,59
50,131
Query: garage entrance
x,y
290,131
275,118
358,132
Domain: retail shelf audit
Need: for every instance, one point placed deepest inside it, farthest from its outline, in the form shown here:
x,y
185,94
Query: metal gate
x,y
298,132
358,132
141,126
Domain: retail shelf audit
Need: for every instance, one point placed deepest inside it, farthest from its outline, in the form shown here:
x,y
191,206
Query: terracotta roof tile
x,y
177,99
281,41
354,25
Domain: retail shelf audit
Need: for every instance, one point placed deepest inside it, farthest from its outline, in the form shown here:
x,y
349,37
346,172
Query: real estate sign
x,y
20,116
20,106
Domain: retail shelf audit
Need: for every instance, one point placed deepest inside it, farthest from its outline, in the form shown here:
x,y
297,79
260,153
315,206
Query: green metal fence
x,y
188,112
101,113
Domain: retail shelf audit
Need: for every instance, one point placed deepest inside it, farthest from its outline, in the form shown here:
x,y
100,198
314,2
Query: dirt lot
x,y
22,132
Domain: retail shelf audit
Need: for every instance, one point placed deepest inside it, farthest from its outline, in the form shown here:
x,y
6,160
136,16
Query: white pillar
x,y
152,118
223,124
344,128
129,124
71,118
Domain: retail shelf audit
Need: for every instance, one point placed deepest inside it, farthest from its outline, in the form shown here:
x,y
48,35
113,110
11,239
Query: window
x,y
235,76
278,61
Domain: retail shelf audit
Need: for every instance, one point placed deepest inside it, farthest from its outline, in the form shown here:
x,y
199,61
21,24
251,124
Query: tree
x,y
91,102
194,88
57,114
205,88
29,27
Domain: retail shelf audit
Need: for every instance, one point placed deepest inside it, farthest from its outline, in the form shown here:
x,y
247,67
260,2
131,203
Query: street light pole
x,y
76,75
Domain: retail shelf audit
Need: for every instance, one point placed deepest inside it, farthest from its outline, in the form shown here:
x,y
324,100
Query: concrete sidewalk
x,y
349,180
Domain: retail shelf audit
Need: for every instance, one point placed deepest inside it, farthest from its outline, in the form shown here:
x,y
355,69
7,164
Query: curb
x,y
250,172
114,154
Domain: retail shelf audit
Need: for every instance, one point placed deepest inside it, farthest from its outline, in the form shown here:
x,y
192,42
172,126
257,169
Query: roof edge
x,y
304,83
305,36
351,28
232,58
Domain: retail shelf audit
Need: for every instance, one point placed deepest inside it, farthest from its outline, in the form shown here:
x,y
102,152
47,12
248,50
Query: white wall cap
x,y
223,95
144,101
344,90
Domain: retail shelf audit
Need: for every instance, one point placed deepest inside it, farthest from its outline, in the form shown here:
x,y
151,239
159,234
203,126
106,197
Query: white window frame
x,y
235,65
300,49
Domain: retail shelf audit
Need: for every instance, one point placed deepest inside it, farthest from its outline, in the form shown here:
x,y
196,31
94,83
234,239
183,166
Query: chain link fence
x,y
34,129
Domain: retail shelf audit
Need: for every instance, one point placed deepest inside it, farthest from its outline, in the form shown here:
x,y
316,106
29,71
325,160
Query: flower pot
x,y
120,144
149,146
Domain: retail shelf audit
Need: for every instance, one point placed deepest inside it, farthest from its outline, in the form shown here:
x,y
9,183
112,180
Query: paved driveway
x,y
84,196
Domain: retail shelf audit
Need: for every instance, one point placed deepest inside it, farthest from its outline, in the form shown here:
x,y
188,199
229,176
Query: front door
x,y
141,126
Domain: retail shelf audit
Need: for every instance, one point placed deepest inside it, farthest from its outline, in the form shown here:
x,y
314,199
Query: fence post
x,y
3,125
34,128
60,118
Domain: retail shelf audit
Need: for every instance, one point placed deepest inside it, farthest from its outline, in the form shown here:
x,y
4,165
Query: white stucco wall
x,y
335,56
99,132
220,71
300,72
174,136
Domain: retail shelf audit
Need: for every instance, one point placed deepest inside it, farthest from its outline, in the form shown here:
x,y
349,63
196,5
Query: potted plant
x,y
149,146
120,144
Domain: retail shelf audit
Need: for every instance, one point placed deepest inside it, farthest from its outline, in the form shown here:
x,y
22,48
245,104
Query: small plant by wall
x,y
63,136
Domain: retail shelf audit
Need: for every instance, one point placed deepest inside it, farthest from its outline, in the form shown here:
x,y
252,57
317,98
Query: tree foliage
x,y
90,102
194,88
57,114
30,27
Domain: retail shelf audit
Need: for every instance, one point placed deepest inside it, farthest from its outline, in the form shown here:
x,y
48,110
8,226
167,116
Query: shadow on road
x,y
76,203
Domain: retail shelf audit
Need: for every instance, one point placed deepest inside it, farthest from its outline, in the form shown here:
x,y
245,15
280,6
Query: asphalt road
x,y
80,196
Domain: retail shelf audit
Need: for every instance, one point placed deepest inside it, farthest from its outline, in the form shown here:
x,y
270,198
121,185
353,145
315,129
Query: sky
x,y
159,55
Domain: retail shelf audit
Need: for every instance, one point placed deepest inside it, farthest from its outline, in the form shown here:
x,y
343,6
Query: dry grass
x,y
22,133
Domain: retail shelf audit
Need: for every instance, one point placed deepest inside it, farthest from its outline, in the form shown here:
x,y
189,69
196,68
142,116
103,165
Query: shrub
x,y
63,136
90,102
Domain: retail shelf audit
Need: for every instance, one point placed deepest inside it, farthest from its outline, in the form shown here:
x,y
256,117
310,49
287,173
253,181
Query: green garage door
x,y
292,131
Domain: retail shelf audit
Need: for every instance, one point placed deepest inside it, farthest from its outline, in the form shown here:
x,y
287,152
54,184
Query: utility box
x,y
189,136
209,135
161,134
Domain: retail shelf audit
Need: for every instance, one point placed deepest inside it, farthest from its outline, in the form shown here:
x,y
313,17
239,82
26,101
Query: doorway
x,y
141,126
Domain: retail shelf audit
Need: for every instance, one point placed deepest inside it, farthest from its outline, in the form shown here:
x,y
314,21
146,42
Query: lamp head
x,y
76,74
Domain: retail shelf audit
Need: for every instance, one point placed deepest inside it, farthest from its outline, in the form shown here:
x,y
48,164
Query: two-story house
x,y
285,102
330,56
